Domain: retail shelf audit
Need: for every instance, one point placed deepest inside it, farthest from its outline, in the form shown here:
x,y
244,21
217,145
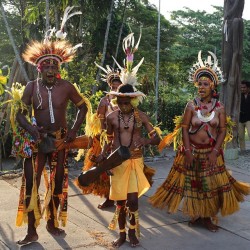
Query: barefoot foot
x,y
106,203
195,221
56,231
118,242
29,238
132,238
207,222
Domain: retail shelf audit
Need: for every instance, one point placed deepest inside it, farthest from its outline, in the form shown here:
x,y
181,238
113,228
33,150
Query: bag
x,y
22,143
47,145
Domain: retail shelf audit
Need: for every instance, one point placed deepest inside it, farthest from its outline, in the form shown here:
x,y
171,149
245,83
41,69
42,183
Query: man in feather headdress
x,y
48,96
101,186
124,128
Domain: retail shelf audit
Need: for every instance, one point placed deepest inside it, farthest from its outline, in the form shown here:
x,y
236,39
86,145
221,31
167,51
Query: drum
x,y
115,159
82,141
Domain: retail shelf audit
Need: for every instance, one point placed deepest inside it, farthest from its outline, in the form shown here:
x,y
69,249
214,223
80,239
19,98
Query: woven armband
x,y
152,133
101,116
223,128
184,125
80,103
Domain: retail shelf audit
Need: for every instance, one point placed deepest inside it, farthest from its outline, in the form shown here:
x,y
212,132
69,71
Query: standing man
x,y
124,128
48,97
244,114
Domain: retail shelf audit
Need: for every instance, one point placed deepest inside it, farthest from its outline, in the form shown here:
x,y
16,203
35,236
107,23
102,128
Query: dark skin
x,y
201,137
103,109
124,104
63,92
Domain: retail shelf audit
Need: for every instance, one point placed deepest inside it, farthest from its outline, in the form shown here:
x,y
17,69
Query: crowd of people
x,y
198,178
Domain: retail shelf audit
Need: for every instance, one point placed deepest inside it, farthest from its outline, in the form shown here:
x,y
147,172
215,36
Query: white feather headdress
x,y
128,73
209,67
109,73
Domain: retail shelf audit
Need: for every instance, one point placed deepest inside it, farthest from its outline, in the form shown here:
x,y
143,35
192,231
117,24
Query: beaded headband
x,y
206,68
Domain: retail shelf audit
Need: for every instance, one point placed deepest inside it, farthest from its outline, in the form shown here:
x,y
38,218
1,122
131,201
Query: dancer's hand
x,y
70,136
189,159
35,131
212,158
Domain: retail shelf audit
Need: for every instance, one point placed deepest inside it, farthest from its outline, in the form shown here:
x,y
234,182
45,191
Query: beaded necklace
x,y
119,130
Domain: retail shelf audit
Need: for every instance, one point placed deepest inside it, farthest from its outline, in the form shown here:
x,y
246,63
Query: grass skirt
x,y
101,186
205,191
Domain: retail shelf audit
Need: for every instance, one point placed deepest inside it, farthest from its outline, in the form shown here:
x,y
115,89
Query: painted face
x,y
124,104
49,73
204,88
114,85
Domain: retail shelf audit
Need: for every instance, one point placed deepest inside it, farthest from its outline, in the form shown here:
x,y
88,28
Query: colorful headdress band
x,y
208,67
49,51
128,73
110,74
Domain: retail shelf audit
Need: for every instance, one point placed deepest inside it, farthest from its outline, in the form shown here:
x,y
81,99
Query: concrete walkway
x,y
87,225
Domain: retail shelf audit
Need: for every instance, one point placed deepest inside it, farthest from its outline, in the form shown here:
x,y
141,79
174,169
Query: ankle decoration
x,y
123,230
135,216
113,223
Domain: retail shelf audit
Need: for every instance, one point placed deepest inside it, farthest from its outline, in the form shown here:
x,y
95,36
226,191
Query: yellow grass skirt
x,y
101,186
205,191
127,178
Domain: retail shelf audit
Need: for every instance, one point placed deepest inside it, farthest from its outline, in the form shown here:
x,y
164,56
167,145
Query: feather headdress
x,y
52,51
110,74
207,67
128,73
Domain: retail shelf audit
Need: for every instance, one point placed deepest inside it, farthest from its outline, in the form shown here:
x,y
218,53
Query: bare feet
x,y
132,238
106,203
118,242
195,221
29,238
207,222
56,231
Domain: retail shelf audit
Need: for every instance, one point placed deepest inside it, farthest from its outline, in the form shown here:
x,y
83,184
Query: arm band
x,y
152,133
223,128
101,116
80,103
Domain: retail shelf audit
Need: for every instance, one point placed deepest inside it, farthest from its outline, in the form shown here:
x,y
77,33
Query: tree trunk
x,y
47,15
232,62
105,45
120,31
13,43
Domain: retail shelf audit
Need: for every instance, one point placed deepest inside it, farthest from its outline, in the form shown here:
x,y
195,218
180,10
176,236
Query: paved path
x,y
87,225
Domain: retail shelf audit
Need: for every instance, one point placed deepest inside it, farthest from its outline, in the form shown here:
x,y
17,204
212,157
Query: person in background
x,y
244,122
102,185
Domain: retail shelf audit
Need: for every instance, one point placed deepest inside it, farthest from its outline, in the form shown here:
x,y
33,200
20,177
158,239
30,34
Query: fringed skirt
x,y
205,191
